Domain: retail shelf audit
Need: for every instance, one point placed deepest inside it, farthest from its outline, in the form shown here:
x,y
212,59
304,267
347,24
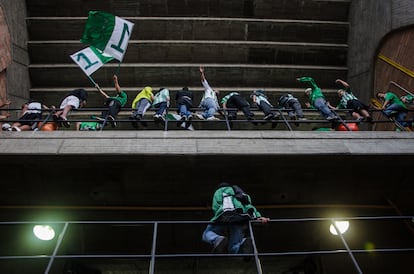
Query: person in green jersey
x,y
114,103
393,107
317,99
347,100
232,210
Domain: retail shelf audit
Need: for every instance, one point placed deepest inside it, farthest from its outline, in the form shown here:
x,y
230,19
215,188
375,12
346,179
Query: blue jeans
x,y
209,106
320,104
161,108
234,230
183,110
141,107
400,114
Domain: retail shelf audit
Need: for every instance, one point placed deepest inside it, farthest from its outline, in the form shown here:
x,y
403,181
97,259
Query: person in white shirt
x,y
209,102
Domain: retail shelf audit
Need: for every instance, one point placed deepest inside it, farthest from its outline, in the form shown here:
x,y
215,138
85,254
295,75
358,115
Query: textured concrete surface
x,y
372,20
206,143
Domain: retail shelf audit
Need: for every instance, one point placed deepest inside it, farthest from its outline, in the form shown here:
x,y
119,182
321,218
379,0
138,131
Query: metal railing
x,y
153,255
313,117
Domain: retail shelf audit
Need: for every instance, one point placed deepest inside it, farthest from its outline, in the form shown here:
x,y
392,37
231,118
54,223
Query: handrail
x,y
256,253
400,87
282,114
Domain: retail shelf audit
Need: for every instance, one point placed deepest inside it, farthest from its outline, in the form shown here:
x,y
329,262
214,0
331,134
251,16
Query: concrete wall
x,y
18,80
370,21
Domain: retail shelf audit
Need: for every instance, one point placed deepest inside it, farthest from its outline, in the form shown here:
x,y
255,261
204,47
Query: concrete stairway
x,y
244,45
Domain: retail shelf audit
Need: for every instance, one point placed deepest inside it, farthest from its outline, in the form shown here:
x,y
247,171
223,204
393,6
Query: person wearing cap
x,y
348,100
393,107
74,100
317,99
293,106
114,103
232,211
209,102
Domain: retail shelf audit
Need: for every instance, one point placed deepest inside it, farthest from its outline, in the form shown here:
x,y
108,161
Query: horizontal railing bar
x,y
289,253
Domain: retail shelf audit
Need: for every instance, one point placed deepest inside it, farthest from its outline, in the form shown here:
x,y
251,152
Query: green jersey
x,y
316,91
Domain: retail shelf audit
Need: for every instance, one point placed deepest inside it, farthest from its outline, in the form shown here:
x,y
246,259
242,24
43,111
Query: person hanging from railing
x,y
209,102
140,105
114,103
317,99
74,100
262,102
393,107
184,101
233,210
30,116
347,100
292,105
233,102
161,103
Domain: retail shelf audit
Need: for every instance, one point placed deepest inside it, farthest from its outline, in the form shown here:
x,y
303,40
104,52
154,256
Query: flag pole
x,y
117,69
90,79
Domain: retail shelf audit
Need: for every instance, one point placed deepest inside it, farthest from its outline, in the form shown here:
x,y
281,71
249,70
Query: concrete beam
x,y
206,143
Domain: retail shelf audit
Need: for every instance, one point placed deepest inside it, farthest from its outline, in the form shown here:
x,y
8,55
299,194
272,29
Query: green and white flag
x,y
90,59
108,33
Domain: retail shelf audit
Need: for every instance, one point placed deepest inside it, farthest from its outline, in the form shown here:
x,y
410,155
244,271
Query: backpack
x,y
240,195
235,215
283,100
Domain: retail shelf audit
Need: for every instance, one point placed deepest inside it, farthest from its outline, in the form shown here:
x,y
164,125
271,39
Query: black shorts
x,y
356,105
30,118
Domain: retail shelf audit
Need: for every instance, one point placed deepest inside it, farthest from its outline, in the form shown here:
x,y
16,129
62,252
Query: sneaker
x,y
181,121
220,245
200,116
64,121
15,129
57,120
212,118
6,126
99,118
269,117
111,121
331,118
188,123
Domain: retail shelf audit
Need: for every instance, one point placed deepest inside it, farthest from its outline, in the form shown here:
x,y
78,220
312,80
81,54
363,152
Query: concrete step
x,y
292,9
227,52
191,28
183,74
